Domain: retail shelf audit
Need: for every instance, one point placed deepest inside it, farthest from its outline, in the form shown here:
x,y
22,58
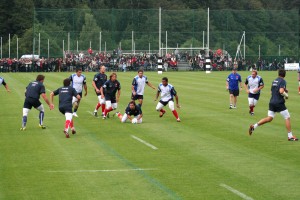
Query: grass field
x,y
208,155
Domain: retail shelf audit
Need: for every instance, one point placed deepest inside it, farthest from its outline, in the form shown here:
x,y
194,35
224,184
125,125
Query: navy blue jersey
x,y
100,79
137,111
111,88
233,81
65,96
276,97
2,81
34,90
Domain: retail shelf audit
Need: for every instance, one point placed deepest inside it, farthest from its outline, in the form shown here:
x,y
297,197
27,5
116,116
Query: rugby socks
x,y
103,108
72,125
251,108
41,117
255,125
290,134
24,121
67,125
162,110
107,111
175,113
120,116
97,106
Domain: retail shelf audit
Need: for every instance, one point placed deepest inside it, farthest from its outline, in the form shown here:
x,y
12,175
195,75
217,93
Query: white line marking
x,y
144,142
101,170
91,113
242,195
49,90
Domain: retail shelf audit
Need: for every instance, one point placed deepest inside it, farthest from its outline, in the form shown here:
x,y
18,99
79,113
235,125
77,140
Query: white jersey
x,y
2,80
166,92
254,83
78,82
139,84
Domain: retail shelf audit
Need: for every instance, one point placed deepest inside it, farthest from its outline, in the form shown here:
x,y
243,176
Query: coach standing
x,y
232,84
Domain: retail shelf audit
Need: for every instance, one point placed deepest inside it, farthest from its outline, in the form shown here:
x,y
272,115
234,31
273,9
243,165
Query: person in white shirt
x,y
138,87
78,81
167,93
253,84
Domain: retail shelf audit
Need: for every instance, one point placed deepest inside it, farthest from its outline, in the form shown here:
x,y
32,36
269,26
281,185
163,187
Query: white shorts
x,y
125,117
285,114
101,100
252,101
108,105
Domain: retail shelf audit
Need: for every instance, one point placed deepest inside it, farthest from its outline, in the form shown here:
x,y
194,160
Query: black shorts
x,y
165,102
98,94
111,99
234,92
277,107
80,94
30,102
64,110
254,96
136,97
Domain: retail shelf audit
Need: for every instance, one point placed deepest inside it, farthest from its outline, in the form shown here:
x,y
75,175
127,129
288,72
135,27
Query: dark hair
x,y
67,82
132,102
112,74
78,69
281,73
165,79
40,77
140,70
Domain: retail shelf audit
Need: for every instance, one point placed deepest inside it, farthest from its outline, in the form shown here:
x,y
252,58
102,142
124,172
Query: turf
x,y
194,159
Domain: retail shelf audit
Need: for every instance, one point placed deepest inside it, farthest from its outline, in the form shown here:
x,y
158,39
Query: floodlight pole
x,y
100,38
39,43
244,45
159,31
166,42
48,48
8,45
17,48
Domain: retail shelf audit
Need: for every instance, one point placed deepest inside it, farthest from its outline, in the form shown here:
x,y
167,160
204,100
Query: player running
x,y
232,84
2,81
111,91
299,80
131,110
138,87
253,84
277,104
33,92
167,93
99,79
78,82
66,94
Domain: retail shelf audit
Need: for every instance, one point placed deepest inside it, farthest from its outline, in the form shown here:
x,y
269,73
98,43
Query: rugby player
x,y
232,84
133,112
2,81
99,79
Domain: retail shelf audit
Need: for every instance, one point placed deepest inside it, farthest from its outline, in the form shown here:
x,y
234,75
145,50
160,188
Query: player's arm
x,y
78,97
177,101
157,95
6,86
150,85
283,93
85,87
140,116
95,87
241,83
246,86
51,106
102,92
118,95
133,90
227,84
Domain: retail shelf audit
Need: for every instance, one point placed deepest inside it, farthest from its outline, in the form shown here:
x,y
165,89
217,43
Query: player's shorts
x,y
74,99
277,107
64,110
98,94
137,96
30,102
165,102
234,92
111,99
254,96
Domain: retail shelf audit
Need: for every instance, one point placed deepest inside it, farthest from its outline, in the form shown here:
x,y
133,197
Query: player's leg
x,y
24,119
140,120
251,105
172,108
231,97
286,115
98,105
299,87
102,102
41,115
68,116
140,99
269,118
108,108
159,107
123,118
75,104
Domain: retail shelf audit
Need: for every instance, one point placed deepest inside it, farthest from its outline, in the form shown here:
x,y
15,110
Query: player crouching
x,y
66,94
131,110
167,92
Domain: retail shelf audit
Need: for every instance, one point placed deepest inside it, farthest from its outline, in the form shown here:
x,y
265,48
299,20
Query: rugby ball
x,y
134,121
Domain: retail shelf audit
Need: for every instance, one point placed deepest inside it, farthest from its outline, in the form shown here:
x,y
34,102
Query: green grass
x,y
208,148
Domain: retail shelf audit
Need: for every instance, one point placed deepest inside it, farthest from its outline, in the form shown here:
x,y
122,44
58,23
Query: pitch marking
x,y
102,170
240,194
144,142
91,113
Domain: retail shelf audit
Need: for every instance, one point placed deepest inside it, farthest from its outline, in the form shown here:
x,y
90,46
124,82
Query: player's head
x,y
40,78
132,105
254,73
113,77
102,69
78,71
67,82
140,73
164,81
234,70
281,73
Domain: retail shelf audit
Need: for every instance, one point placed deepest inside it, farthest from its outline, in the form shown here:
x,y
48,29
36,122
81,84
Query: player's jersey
x,y
254,83
276,97
35,89
111,87
299,74
65,96
166,92
139,84
100,79
137,111
233,81
78,82
2,81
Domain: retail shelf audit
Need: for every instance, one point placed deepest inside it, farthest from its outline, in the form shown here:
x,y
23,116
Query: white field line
x,y
144,142
91,113
240,194
101,170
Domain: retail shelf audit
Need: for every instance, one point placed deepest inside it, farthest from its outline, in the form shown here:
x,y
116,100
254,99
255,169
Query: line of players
x,y
108,93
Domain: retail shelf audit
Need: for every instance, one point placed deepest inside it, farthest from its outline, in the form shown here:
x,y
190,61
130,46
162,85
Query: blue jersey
x,y
276,97
233,81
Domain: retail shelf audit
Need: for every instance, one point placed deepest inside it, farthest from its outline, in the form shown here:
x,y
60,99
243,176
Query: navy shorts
x,y
64,110
234,92
111,99
136,97
254,96
165,102
277,107
30,102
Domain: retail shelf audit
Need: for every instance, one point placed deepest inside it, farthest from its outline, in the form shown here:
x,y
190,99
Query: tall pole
x,y
258,51
48,48
39,44
100,38
105,47
17,48
279,50
166,42
90,44
149,48
132,41
203,41
8,45
69,42
63,49
159,31
1,47
77,45
244,45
